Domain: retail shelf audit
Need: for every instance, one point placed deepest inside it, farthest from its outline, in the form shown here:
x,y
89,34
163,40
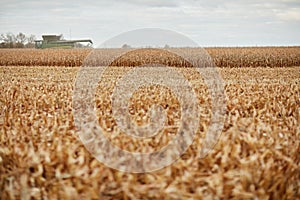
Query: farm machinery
x,y
56,41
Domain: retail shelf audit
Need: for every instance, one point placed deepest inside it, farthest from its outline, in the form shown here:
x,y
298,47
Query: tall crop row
x,y
222,57
45,57
256,56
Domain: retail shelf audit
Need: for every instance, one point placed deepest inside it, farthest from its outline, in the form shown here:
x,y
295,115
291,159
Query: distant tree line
x,y
9,40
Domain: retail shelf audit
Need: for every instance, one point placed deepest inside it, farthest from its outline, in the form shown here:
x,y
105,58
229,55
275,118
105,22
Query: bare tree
x,y
126,46
9,40
20,40
30,41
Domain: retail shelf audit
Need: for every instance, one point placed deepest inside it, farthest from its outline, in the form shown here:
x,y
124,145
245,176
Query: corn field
x,y
222,57
257,156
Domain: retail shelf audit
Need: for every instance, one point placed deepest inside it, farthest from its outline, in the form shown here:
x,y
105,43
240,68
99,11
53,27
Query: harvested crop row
x,y
222,57
257,157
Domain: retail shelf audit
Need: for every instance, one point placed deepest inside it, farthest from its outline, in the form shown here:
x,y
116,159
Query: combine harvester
x,y
56,41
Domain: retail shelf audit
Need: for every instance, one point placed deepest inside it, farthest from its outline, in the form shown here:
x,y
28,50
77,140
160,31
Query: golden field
x,y
257,156
222,57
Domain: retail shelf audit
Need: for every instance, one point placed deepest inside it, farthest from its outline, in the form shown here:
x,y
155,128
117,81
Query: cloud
x,y
215,22
290,15
150,3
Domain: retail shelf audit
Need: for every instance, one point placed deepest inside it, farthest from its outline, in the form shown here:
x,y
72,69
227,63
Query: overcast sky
x,y
209,23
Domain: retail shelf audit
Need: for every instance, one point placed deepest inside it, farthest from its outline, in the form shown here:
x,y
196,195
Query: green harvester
x,y
56,41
